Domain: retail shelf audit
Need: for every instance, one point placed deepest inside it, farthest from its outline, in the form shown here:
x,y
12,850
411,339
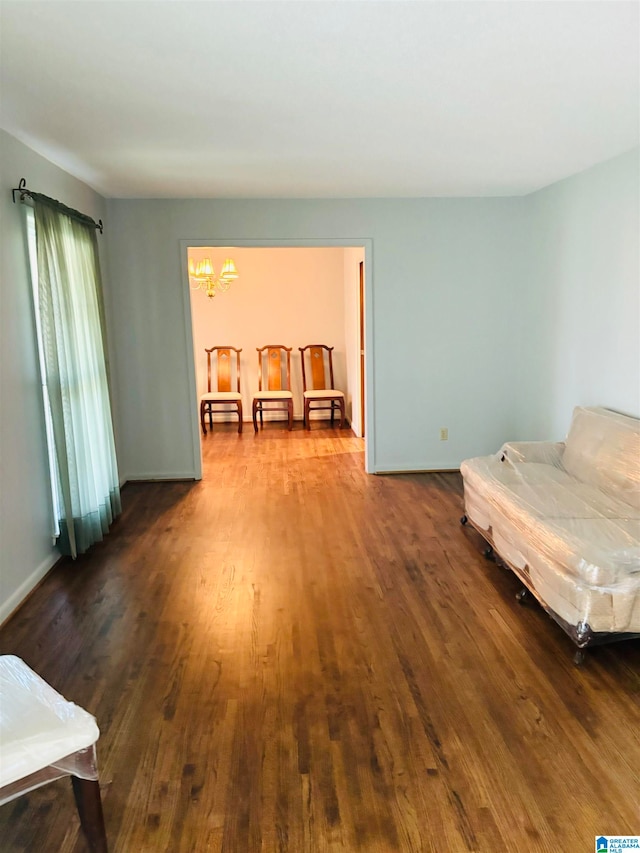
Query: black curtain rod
x,y
23,191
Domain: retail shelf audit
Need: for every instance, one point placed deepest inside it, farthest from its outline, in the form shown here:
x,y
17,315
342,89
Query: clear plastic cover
x,y
566,517
40,732
603,449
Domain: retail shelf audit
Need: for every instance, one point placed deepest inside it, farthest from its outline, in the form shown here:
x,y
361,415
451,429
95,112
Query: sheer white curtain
x,y
71,326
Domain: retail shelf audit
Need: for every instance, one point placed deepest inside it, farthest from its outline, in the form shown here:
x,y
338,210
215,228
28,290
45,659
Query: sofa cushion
x,y
539,509
603,449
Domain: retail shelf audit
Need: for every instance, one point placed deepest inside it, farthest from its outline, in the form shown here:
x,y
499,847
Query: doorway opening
x,y
295,294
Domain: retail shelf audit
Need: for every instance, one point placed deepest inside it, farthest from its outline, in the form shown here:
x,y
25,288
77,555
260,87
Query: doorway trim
x,y
361,348
245,243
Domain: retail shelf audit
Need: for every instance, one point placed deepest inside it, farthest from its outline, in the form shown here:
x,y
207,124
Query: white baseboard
x,y
268,416
8,607
434,469
248,418
164,475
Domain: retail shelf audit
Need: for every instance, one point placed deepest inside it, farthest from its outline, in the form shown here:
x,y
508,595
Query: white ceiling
x,y
321,99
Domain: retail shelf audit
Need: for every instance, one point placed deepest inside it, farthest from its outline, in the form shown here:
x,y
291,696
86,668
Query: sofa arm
x,y
547,452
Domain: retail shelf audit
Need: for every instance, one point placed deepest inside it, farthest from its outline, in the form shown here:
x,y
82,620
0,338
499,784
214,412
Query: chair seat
x,y
322,394
38,727
273,395
220,397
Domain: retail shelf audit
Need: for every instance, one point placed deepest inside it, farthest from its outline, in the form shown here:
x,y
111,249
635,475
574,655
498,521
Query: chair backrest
x,y
224,368
274,368
319,357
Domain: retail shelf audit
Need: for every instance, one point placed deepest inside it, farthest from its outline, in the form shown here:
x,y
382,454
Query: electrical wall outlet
x,y
444,434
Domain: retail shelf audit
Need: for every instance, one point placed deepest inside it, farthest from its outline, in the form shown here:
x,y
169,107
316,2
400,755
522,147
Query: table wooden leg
x,y
87,795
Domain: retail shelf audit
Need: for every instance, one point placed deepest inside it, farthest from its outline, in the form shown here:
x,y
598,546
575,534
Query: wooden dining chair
x,y
227,369
274,383
317,382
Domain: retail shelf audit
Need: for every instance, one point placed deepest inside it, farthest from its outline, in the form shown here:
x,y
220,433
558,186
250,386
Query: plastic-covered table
x,y
44,737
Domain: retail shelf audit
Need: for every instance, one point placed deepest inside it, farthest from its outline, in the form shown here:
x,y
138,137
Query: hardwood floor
x,y
294,656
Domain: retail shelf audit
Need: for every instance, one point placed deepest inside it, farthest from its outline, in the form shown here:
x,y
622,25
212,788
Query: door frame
x,y
333,243
361,348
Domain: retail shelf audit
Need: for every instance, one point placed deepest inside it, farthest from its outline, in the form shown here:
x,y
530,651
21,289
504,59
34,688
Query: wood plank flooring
x,y
294,656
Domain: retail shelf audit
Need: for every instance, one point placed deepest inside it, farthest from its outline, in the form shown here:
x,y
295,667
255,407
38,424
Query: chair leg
x,y
290,410
255,415
239,418
333,410
307,414
202,418
87,796
341,407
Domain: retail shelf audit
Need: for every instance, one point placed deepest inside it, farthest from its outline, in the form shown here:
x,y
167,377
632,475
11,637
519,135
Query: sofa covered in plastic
x,y
565,517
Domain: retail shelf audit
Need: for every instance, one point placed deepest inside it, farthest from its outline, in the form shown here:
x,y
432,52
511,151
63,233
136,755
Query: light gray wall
x,y
26,551
581,336
444,275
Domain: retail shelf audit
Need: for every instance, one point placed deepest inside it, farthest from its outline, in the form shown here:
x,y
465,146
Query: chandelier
x,y
202,276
